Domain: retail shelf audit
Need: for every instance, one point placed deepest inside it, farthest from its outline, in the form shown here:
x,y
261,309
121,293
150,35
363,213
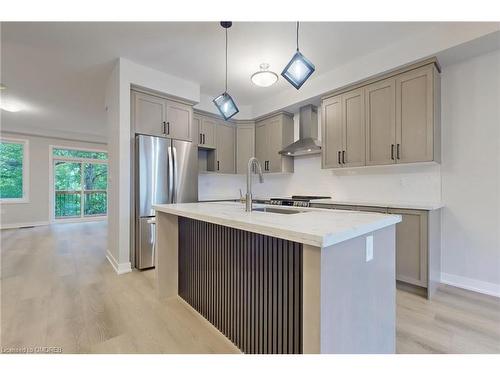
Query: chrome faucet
x,y
248,197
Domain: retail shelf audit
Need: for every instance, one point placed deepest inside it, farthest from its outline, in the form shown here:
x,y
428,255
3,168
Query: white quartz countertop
x,y
412,206
314,226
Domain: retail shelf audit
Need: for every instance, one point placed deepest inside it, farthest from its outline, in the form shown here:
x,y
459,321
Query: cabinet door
x,y
380,111
179,120
208,130
411,247
275,134
149,113
414,116
332,132
353,108
245,147
261,143
197,130
225,162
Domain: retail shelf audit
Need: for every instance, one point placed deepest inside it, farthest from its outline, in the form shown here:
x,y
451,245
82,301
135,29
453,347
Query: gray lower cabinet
x,y
272,134
155,115
418,245
411,246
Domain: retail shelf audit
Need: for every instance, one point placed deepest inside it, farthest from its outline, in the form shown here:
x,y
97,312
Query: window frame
x,y
82,161
26,171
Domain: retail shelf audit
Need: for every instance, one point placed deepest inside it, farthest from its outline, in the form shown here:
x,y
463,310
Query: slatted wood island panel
x,y
248,285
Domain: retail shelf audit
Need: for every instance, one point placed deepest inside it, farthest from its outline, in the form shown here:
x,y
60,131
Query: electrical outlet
x,y
369,248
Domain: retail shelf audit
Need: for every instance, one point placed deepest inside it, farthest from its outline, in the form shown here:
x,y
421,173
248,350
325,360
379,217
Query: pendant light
x,y
299,69
224,103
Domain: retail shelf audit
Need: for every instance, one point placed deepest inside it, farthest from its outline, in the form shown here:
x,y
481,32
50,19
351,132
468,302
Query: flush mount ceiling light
x,y
10,106
264,78
224,103
299,69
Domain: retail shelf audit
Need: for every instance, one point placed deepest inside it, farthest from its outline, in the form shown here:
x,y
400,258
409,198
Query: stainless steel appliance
x,y
166,171
296,200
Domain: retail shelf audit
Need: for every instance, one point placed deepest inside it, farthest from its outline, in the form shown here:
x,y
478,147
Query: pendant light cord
x,y
297,35
226,61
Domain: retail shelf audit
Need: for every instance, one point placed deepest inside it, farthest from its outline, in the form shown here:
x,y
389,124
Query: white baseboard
x,y
120,268
471,284
21,225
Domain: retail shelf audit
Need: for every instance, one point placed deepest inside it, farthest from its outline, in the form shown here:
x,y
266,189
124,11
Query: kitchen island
x,y
282,280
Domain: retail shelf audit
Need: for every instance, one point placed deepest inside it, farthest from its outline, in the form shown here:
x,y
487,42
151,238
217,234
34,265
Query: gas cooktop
x,y
296,200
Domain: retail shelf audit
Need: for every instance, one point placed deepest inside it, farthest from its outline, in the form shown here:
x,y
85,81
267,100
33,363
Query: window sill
x,y
14,201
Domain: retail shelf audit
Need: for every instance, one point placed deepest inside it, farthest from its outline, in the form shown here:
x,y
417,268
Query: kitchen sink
x,y
276,210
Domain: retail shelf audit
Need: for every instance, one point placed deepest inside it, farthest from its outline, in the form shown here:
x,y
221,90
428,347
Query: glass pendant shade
x,y
298,70
264,77
226,105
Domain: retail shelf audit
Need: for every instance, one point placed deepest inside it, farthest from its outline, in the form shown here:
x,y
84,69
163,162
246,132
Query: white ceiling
x,y
59,70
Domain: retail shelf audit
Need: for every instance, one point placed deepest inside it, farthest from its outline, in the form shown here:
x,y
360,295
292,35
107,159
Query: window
x,y
80,183
13,170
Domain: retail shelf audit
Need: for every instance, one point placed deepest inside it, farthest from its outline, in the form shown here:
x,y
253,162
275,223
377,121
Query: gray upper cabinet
x,y
272,134
415,115
261,143
353,105
332,125
149,114
389,121
225,148
207,134
245,145
154,115
380,112
344,130
197,129
179,120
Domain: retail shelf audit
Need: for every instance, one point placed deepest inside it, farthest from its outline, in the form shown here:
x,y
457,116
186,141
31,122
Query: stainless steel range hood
x,y
308,142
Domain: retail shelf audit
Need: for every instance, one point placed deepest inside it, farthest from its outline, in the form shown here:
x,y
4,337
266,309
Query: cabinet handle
x,y
218,165
338,158
168,127
266,167
392,152
397,151
203,138
343,157
164,127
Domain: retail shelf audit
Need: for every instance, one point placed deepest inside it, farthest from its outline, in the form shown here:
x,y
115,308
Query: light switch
x,y
369,248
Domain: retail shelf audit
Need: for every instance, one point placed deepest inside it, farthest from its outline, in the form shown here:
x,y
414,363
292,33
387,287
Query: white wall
x,y
471,172
125,74
36,210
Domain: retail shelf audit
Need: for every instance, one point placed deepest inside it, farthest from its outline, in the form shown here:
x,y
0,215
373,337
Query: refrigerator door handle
x,y
170,175
174,182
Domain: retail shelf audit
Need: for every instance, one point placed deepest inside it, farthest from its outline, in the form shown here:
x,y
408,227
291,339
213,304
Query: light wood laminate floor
x,y
58,290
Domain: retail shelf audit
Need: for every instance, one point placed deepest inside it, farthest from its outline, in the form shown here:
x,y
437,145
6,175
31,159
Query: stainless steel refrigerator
x,y
166,171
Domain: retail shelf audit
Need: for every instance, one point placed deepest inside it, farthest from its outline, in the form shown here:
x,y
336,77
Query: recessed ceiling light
x,y
264,77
